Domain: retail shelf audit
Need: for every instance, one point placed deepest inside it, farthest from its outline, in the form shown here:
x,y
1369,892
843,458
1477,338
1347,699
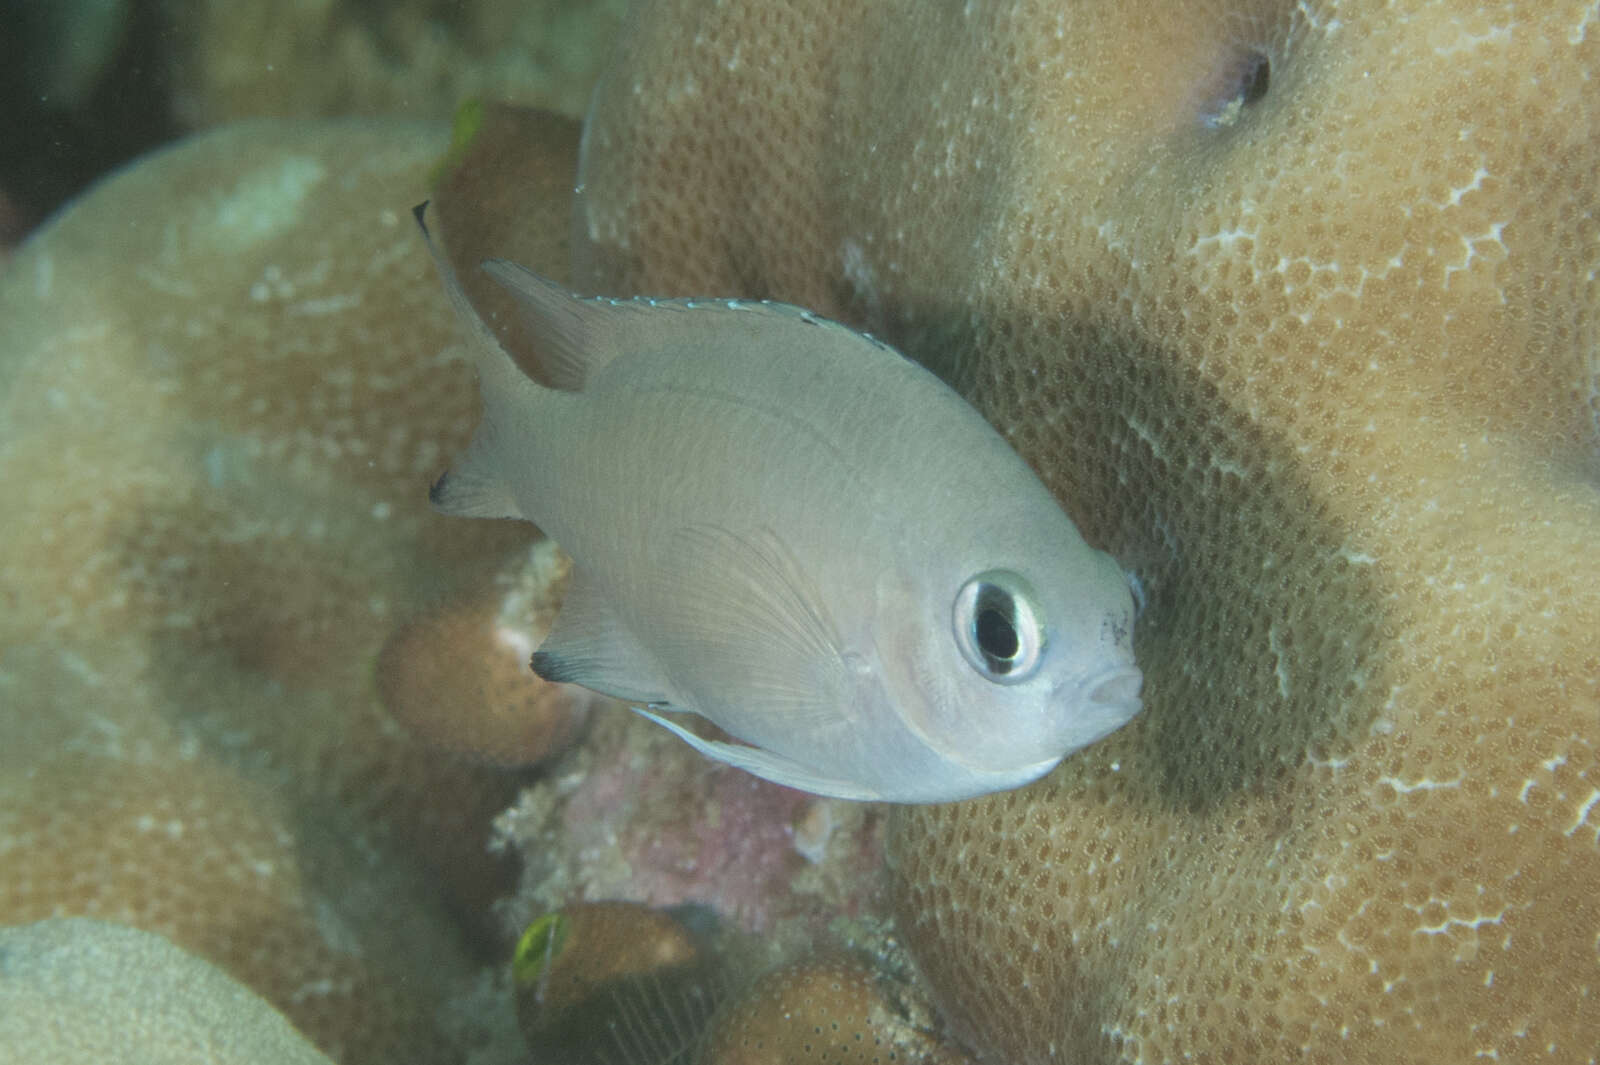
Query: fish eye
x,y
998,626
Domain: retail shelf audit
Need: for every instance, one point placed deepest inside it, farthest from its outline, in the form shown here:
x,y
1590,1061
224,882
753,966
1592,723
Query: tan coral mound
x,y
457,674
598,982
82,992
1293,305
226,380
826,1009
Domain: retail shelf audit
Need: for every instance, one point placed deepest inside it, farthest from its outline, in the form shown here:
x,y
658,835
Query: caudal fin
x,y
482,335
475,486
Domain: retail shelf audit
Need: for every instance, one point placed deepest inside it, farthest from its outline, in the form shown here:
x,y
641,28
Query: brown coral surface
x,y
834,1009
1294,307
456,675
191,852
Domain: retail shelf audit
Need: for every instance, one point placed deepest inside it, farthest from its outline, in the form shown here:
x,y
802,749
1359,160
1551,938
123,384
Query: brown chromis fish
x,y
792,530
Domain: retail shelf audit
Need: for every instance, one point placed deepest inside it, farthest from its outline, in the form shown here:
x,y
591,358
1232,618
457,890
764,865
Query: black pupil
x,y
996,636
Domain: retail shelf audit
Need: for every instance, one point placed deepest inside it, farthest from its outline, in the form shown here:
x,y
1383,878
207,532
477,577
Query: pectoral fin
x,y
750,620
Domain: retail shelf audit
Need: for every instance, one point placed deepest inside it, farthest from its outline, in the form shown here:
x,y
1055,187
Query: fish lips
x,y
1102,704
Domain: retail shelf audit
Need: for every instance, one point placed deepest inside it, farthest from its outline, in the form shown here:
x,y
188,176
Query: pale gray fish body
x,y
790,529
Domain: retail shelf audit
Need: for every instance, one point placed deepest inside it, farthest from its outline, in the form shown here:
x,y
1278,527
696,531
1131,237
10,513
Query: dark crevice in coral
x,y
1245,85
1258,75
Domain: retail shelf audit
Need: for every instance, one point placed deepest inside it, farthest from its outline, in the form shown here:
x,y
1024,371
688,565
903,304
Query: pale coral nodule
x,y
192,852
1293,305
75,991
456,676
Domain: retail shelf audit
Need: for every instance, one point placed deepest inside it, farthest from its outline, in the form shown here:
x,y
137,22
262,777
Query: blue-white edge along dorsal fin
x,y
766,765
578,335
745,608
590,646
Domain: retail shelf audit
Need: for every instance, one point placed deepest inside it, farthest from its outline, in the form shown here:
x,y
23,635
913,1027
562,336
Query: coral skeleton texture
x,y
1294,307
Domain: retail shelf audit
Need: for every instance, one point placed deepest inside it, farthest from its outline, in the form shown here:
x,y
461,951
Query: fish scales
x,y
789,529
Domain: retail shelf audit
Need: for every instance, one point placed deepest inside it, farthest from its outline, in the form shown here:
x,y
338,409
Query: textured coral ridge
x,y
1293,305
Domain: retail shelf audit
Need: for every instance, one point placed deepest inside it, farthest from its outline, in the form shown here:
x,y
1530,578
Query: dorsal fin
x,y
577,335
572,333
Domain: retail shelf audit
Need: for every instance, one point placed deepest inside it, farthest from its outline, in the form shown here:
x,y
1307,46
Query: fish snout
x,y
1117,687
1104,703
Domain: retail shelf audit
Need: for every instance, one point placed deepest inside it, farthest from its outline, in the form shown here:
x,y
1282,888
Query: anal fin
x,y
766,765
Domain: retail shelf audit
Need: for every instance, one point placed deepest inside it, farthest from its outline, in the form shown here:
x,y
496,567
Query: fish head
x,y
1008,659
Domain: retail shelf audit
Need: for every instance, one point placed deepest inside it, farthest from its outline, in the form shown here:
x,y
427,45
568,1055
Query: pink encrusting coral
x,y
636,814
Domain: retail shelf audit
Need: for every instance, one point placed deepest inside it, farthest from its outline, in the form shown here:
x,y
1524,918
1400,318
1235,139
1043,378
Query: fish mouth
x,y
1115,687
1103,703
1107,701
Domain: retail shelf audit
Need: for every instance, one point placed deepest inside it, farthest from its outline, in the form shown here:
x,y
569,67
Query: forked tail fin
x,y
475,487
